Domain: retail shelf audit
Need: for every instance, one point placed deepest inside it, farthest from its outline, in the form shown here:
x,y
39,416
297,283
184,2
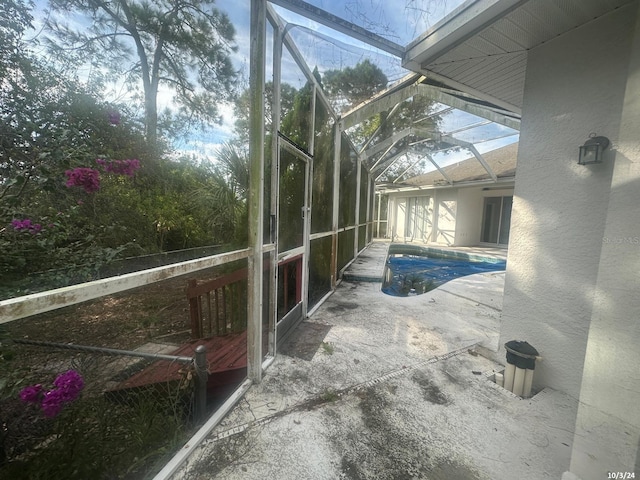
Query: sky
x,y
399,20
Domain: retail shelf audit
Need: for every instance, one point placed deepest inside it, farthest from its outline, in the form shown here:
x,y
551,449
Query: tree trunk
x,y
151,117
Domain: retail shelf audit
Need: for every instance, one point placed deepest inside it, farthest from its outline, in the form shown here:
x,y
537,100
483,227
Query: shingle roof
x,y
502,161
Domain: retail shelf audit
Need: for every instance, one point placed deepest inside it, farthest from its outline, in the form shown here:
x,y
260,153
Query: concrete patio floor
x,y
379,387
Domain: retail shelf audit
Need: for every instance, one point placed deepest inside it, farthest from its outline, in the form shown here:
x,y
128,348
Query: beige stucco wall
x,y
572,286
469,216
611,376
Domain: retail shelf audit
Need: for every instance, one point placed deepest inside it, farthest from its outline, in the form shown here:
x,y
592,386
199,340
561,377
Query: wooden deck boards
x,y
226,361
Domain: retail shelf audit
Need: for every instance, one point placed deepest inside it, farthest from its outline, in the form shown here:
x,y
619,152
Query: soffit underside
x,y
492,61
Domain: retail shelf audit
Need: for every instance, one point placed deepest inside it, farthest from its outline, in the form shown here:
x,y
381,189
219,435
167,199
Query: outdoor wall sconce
x,y
592,150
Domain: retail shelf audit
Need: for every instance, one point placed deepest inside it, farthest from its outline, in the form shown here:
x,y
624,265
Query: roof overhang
x,y
482,47
464,22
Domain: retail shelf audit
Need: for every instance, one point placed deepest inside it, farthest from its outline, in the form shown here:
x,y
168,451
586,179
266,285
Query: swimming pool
x,y
413,270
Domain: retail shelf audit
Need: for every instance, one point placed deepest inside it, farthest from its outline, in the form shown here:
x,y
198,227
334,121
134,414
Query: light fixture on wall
x,y
592,150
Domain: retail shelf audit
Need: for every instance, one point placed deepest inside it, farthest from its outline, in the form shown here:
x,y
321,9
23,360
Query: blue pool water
x,y
417,272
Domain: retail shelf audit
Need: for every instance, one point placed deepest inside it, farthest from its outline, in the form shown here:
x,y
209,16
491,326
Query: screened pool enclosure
x,y
208,212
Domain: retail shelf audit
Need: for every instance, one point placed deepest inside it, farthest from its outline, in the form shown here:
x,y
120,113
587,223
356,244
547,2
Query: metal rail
x,y
111,351
199,360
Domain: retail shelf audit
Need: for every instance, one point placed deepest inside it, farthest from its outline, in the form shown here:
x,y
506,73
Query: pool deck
x,y
379,387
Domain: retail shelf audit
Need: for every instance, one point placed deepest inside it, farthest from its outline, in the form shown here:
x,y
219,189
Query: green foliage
x,y
329,395
241,109
350,86
323,161
222,194
51,124
327,348
63,252
92,438
15,19
48,127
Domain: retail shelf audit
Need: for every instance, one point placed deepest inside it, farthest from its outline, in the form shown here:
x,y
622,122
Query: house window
x,y
496,220
417,219
412,220
381,207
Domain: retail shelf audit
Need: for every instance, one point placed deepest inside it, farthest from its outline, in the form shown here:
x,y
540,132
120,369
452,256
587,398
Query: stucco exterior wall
x,y
560,207
611,375
571,288
469,216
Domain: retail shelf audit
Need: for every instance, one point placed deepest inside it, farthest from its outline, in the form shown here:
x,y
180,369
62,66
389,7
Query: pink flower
x,y
21,224
70,384
52,403
66,388
31,394
114,117
26,225
87,178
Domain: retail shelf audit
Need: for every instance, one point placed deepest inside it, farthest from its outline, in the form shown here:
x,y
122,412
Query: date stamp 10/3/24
x,y
621,475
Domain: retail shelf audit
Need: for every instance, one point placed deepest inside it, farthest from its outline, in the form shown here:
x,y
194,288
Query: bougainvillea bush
x,y
68,429
80,185
65,390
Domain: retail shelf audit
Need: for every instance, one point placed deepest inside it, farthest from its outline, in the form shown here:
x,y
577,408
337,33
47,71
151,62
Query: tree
x,y
242,104
15,18
50,126
223,194
350,86
48,123
184,44
78,188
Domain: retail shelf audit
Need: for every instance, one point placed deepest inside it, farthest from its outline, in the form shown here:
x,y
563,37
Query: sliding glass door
x,y
496,220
